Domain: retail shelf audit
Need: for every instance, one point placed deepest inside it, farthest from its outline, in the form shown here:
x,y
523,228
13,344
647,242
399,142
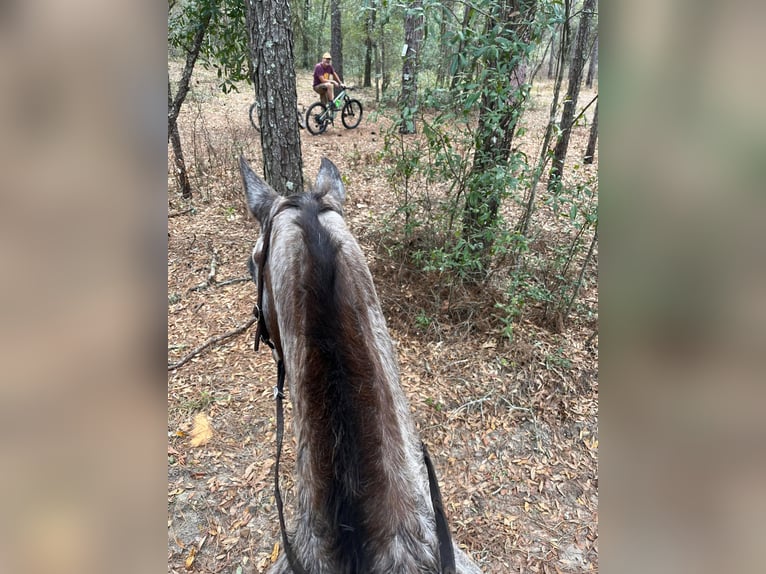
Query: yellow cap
x,y
326,56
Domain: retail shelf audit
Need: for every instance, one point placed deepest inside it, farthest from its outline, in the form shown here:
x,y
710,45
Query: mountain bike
x,y
320,115
253,113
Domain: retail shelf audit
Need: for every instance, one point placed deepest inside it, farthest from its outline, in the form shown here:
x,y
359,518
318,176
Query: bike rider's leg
x,y
322,91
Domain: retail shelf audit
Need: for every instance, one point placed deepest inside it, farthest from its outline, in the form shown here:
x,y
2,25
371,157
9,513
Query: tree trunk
x,y
305,60
336,38
526,219
552,60
413,38
385,73
458,64
378,71
498,116
175,139
271,49
321,47
174,104
444,61
573,91
593,63
578,285
369,44
591,151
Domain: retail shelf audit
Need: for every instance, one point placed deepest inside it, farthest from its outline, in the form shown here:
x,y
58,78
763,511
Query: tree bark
x,y
413,38
385,74
526,218
369,44
180,165
573,91
457,67
578,285
336,38
271,50
444,61
593,63
552,59
305,60
175,103
321,46
590,152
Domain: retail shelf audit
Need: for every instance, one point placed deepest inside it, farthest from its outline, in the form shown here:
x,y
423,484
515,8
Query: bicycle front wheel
x,y
317,118
254,116
351,114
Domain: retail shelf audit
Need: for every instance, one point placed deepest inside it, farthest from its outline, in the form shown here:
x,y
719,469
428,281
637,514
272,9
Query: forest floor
x,y
512,427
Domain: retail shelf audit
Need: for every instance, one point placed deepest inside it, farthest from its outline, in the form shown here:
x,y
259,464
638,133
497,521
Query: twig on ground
x,y
210,342
235,280
469,404
177,213
205,285
210,275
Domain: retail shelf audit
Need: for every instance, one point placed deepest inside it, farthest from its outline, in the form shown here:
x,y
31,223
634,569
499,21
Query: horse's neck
x,y
359,470
381,424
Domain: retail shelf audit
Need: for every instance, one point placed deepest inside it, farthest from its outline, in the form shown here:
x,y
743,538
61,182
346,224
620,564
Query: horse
x,y
365,501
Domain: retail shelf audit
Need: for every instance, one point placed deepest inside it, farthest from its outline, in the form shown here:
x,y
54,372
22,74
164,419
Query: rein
x,y
262,334
446,550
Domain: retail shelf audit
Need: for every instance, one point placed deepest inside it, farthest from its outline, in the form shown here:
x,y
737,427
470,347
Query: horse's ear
x,y
329,182
260,196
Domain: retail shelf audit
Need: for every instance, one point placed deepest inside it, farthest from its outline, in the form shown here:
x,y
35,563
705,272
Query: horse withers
x,y
367,499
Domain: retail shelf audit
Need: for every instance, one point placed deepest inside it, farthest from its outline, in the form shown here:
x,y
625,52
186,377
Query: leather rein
x,y
446,550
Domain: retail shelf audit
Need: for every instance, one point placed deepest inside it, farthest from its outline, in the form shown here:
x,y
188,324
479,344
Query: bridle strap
x,y
262,334
292,559
446,550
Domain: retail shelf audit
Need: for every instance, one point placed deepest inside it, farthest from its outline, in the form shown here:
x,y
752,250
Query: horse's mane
x,y
341,378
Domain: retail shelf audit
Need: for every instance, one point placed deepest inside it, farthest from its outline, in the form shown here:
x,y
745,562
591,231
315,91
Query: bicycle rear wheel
x,y
253,113
301,119
317,118
351,114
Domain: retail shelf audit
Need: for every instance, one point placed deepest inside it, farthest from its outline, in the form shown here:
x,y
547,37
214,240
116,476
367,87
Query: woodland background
x,y
473,190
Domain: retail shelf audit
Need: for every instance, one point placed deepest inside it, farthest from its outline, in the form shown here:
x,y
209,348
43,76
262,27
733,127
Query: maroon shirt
x,y
322,74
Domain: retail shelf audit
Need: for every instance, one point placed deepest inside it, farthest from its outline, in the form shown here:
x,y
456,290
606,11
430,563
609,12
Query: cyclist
x,y
325,78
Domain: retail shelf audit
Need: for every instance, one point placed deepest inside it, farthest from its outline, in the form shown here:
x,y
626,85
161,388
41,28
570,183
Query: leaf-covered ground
x,y
512,427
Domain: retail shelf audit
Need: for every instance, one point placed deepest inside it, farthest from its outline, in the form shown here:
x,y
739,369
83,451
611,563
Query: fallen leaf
x,y
508,519
190,558
202,432
275,553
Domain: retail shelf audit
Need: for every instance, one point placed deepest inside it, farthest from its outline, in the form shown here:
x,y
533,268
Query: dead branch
x,y
177,213
210,276
235,280
210,342
205,285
